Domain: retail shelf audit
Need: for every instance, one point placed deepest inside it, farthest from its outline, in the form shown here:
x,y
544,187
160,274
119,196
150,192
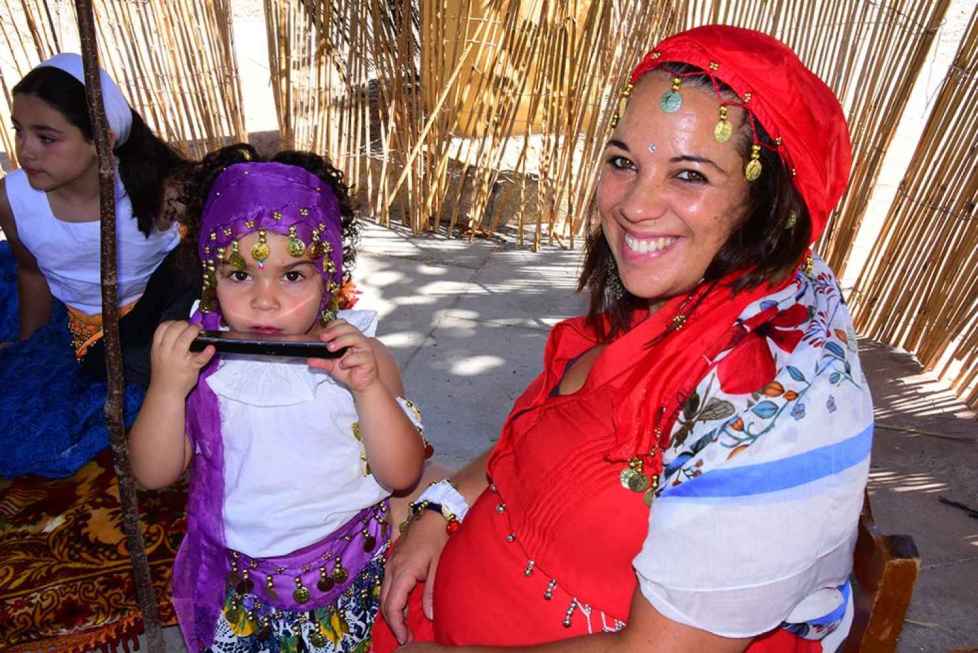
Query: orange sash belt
x,y
86,329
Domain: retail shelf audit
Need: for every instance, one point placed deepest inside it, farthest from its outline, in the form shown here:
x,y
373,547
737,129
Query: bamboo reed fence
x,y
919,289
320,63
430,107
174,61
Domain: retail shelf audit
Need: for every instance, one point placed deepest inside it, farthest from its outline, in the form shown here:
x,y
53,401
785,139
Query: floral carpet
x,y
65,577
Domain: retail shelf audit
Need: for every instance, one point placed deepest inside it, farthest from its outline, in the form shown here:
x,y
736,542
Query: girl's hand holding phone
x,y
357,369
174,366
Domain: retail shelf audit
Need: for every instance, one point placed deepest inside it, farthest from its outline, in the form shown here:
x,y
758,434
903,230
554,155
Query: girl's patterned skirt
x,y
252,627
321,599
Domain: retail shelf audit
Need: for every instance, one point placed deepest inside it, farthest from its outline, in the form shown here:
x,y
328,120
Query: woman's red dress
x,y
556,517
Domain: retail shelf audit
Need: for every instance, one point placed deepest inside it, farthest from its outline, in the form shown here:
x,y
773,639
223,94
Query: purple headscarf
x,y
270,198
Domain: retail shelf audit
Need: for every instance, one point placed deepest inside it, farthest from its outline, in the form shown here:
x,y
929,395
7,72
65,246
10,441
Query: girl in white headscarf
x,y
49,214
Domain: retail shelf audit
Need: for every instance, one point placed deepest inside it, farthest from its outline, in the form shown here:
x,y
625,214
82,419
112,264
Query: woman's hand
x,y
357,369
414,559
174,367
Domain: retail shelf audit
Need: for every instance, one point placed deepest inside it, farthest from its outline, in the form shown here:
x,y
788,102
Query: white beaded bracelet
x,y
445,494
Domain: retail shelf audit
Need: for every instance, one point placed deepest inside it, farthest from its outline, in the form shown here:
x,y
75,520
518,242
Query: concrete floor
x,y
467,323
926,447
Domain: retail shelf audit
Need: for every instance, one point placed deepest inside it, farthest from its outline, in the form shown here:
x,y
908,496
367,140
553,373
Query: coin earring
x,y
329,314
753,169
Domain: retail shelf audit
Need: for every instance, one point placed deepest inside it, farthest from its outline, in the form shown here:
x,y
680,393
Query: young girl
x,y
49,214
293,460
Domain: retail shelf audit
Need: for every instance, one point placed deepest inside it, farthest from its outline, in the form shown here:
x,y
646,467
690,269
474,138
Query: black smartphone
x,y
264,345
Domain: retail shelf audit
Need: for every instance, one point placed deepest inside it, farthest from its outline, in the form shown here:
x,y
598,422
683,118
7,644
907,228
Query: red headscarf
x,y
803,116
790,102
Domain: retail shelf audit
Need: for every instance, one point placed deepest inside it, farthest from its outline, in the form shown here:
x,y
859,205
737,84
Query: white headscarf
x,y
117,109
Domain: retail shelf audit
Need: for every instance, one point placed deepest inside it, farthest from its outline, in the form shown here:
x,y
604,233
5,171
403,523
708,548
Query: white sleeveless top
x,y
68,253
292,467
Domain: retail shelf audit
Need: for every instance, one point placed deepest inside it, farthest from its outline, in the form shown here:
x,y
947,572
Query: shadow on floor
x,y
926,447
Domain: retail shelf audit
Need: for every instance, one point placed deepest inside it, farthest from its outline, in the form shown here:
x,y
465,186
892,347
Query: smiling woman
x,y
687,472
722,221
666,214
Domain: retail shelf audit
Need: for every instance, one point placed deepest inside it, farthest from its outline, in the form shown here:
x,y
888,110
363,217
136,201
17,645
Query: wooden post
x,y
110,327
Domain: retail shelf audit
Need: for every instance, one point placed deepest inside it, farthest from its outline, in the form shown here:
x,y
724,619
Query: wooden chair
x,y
885,568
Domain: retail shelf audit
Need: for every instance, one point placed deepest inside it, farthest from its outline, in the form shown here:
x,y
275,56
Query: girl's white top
x,y
68,253
292,467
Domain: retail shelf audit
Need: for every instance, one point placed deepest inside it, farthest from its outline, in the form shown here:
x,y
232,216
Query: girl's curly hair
x,y
204,173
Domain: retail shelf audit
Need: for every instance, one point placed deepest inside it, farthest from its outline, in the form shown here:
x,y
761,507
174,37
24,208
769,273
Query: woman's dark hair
x,y
146,163
203,175
767,244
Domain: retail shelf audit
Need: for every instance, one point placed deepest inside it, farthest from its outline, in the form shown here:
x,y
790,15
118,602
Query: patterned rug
x,y
65,578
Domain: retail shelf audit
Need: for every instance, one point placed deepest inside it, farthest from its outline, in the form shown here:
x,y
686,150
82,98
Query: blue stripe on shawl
x,y
780,474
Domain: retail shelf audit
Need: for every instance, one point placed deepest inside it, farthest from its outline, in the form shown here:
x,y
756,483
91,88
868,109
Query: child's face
x,y
281,297
53,152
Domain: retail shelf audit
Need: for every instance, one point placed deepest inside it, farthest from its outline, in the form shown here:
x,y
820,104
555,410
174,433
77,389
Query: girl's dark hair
x,y
203,175
146,163
767,244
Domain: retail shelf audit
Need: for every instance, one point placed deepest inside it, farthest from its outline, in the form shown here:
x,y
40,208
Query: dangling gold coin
x,y
753,170
301,594
339,574
236,261
260,251
297,248
325,584
634,480
722,131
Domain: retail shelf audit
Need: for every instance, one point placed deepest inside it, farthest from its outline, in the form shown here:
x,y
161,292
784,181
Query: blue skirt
x,y
51,415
